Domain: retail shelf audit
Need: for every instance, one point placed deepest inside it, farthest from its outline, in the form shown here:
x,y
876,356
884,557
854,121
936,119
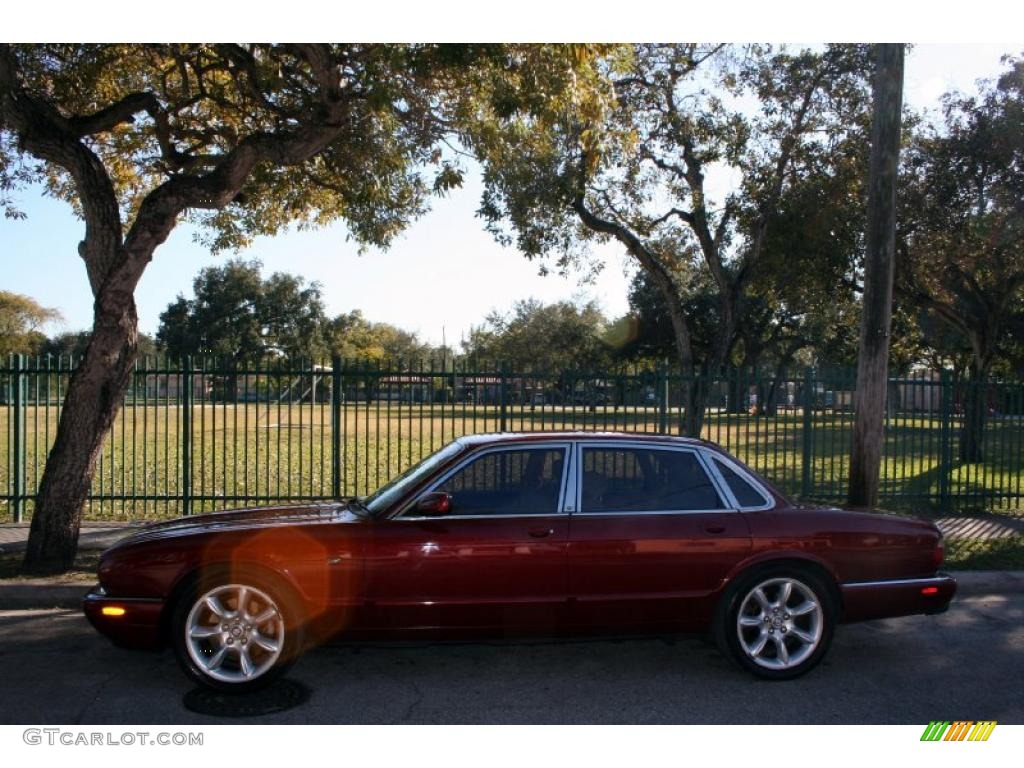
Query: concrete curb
x,y
41,594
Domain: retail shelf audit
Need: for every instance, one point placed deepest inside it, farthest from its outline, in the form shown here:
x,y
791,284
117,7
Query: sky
x,y
438,279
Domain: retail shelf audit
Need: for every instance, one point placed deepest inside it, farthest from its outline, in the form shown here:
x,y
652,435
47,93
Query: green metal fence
x,y
196,435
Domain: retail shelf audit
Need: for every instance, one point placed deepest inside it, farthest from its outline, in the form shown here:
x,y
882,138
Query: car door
x,y
652,535
497,560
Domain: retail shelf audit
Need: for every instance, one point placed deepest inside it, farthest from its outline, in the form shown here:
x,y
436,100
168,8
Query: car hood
x,y
246,518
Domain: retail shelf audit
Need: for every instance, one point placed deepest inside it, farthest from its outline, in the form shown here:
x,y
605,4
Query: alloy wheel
x,y
234,633
780,623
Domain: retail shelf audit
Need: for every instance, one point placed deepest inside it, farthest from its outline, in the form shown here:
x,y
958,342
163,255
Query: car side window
x,y
645,480
513,482
746,495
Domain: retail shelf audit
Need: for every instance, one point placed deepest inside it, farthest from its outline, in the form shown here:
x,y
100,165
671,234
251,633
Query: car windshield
x,y
390,491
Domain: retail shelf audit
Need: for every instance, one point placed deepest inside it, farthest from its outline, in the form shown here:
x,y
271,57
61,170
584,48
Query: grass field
x,y
260,452
985,555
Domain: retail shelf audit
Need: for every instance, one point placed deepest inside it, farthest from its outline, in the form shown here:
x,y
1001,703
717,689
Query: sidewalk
x,y
93,535
984,527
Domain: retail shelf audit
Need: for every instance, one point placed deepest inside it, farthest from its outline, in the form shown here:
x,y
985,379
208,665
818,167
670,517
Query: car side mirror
x,y
435,504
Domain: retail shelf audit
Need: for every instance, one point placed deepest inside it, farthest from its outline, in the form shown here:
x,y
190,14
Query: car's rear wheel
x,y
235,632
777,622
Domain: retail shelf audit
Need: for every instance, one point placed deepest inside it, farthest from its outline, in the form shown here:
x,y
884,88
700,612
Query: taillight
x,y
939,553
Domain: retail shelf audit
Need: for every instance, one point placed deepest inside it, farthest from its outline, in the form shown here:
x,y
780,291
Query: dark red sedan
x,y
515,534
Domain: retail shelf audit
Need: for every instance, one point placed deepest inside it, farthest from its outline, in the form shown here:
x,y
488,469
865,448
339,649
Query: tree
x,y
74,343
1011,351
236,313
799,301
353,336
242,140
653,339
961,243
21,317
542,337
879,260
637,172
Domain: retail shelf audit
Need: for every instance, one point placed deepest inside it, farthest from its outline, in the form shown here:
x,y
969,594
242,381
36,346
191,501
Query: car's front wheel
x,y
235,633
777,622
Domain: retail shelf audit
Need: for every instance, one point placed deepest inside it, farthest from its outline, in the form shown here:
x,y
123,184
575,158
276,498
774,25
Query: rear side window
x,y
645,480
744,492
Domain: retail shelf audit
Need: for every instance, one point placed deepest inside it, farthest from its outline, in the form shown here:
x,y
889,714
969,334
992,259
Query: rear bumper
x,y
138,627
897,597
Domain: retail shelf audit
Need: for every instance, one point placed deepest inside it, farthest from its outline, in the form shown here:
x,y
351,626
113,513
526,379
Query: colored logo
x,y
960,730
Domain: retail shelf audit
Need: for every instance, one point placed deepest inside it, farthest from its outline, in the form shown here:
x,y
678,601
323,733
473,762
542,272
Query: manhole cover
x,y
276,697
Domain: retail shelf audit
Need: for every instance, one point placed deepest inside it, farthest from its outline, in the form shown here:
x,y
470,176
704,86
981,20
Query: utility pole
x,y
879,257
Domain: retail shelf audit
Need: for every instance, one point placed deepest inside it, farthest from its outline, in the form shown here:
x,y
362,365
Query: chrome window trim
x,y
652,513
712,456
474,456
570,491
942,579
716,481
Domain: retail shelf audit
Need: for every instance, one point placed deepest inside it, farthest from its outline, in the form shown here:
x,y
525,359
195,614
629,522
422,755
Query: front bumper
x,y
897,597
137,627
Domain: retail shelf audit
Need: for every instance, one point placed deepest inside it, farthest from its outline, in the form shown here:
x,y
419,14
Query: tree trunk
x,y
94,398
975,403
772,402
760,405
876,318
766,397
695,398
735,399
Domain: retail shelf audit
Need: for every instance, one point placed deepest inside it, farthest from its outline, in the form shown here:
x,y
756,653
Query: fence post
x,y
336,384
806,478
503,396
18,446
946,443
662,390
186,436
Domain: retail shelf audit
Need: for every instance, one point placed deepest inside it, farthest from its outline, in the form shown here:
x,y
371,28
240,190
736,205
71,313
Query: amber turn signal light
x,y
112,610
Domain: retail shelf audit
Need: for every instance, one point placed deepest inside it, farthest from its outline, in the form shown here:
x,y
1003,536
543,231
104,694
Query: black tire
x,y
288,636
780,623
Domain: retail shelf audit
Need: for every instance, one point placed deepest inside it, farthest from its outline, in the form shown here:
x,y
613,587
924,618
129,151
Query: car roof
x,y
492,438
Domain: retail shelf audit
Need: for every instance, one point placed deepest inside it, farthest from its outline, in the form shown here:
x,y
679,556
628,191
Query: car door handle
x,y
714,528
541,533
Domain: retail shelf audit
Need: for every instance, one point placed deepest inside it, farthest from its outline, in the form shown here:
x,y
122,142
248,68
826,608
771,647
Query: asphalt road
x,y
966,664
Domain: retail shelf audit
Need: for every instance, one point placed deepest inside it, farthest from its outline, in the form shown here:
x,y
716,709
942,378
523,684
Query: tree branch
x,y
45,133
650,262
108,118
318,57
219,186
